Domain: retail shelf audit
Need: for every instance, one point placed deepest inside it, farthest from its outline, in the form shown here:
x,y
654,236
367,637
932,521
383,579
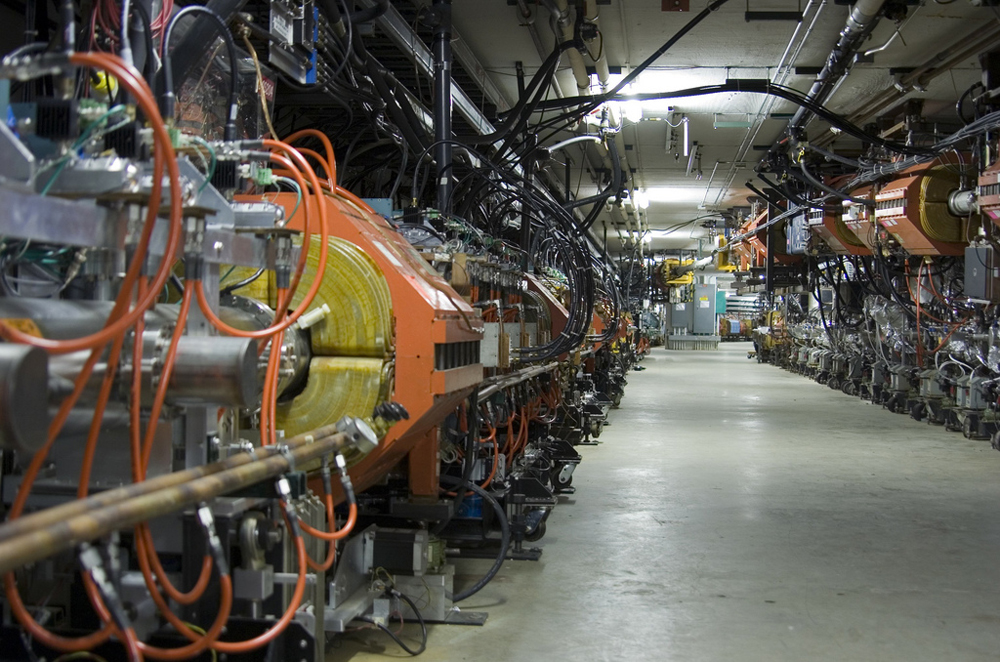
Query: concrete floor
x,y
739,512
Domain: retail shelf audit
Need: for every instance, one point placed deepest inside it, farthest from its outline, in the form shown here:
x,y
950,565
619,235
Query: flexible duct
x,y
860,22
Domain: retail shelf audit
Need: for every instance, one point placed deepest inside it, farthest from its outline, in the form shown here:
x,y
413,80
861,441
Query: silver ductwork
x,y
862,19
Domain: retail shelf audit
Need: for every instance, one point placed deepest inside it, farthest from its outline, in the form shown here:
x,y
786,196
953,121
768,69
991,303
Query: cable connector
x,y
263,176
345,478
313,317
283,261
212,536
92,563
194,247
326,474
284,491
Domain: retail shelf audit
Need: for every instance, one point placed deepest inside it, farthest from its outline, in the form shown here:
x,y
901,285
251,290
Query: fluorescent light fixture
x,y
632,110
676,194
641,199
654,107
691,157
687,135
662,80
728,121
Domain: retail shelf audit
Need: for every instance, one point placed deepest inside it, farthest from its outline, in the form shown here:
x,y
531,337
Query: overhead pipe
x,y
862,19
782,72
697,264
528,21
601,63
564,30
442,104
569,141
969,46
892,38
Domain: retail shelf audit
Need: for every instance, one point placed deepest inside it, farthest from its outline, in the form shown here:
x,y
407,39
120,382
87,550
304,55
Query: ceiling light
x,y
632,110
676,194
655,107
687,135
661,80
691,158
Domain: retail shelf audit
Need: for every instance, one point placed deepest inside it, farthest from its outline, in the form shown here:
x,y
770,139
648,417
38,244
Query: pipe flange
x,y
359,433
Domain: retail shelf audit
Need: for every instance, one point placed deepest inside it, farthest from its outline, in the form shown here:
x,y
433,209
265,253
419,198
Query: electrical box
x,y
982,273
704,310
797,235
294,29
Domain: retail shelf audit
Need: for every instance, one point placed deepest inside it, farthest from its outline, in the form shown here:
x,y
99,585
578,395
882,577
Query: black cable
x,y
592,103
420,619
754,87
961,101
800,201
832,191
229,289
348,46
504,539
367,15
515,115
168,74
147,66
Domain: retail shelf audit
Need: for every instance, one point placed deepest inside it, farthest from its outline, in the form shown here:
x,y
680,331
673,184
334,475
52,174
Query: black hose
x,y
234,76
149,61
593,102
832,191
834,157
370,14
469,462
750,87
195,39
229,289
504,539
763,196
800,201
420,619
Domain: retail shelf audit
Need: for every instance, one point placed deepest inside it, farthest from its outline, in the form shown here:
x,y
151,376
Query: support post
x,y
528,164
442,103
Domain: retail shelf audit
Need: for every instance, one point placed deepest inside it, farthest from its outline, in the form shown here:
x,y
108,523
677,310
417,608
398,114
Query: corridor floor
x,y
735,511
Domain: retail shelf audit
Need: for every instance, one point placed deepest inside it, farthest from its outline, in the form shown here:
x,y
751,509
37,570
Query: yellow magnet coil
x,y
351,369
935,219
338,386
360,319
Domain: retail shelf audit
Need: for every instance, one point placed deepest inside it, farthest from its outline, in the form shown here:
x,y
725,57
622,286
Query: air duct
x,y
863,18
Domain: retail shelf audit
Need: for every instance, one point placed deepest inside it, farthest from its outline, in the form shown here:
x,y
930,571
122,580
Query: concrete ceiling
x,y
723,46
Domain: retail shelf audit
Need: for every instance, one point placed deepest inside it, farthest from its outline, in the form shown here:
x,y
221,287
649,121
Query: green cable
x,y
84,137
231,270
298,192
212,160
